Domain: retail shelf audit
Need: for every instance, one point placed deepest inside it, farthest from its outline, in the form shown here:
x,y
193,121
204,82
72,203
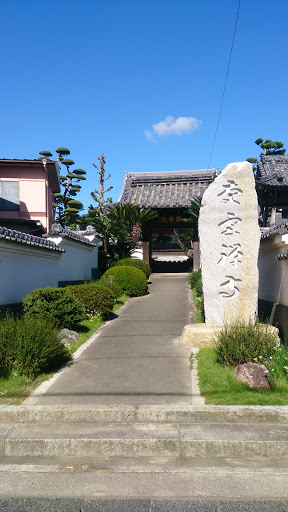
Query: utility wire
x,y
223,94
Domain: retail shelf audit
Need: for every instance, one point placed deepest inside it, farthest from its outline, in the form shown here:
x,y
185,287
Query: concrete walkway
x,y
138,358
117,430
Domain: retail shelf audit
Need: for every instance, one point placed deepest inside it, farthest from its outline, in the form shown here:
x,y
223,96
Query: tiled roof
x,y
23,238
24,161
283,256
57,230
165,189
279,229
52,168
272,171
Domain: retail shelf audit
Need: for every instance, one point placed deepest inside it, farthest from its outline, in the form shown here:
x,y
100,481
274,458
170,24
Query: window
x,y
9,196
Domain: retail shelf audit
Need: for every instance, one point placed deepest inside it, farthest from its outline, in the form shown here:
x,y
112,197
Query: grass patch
x,y
15,388
219,387
198,313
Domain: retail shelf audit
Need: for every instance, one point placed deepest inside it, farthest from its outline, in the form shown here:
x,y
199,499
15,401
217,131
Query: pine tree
x,y
67,208
269,147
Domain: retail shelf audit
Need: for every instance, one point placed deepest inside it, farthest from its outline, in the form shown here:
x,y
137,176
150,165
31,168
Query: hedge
x,y
59,304
131,279
134,262
96,298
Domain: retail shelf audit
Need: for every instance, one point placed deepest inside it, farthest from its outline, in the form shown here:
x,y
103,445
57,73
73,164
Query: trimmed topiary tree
x,y
56,303
133,262
132,280
112,286
97,299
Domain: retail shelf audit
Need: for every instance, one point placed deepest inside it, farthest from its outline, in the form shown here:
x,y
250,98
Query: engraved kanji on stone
x,y
229,224
230,191
233,290
230,254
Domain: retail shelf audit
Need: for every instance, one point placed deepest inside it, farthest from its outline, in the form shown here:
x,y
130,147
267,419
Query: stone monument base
x,y
198,335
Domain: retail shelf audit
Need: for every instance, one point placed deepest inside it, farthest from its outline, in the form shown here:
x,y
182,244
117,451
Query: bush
x,y
198,288
194,277
56,303
132,280
33,344
7,335
112,286
134,262
240,343
96,298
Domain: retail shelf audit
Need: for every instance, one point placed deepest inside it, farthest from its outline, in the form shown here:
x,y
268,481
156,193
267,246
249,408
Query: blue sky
x,y
141,81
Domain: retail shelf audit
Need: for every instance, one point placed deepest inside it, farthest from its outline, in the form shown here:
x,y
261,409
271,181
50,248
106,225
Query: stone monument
x,y
229,245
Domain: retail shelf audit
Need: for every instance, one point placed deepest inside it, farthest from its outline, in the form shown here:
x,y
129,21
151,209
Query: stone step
x,y
144,440
98,483
166,477
145,414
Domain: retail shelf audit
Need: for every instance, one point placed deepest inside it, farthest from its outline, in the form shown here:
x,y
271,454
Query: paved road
x,y
139,505
138,359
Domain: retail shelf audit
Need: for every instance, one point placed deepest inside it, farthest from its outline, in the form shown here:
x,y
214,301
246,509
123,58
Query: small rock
x,y
256,375
67,336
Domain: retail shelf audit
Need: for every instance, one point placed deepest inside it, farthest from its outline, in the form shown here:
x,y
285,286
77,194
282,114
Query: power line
x,y
224,89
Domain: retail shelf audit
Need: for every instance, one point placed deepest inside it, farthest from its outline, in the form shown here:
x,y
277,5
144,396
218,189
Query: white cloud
x,y
173,126
149,135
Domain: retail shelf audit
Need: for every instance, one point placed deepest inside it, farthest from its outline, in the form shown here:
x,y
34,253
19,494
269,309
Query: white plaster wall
x,y
138,252
273,274
78,260
23,269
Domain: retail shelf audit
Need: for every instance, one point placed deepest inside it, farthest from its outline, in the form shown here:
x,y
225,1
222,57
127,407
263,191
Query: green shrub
x,y
56,303
33,345
37,348
240,343
198,288
97,299
7,335
193,277
112,286
134,262
132,280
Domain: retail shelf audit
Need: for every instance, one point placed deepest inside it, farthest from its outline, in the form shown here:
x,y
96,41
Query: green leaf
x,y
63,151
75,203
79,171
45,153
71,175
68,161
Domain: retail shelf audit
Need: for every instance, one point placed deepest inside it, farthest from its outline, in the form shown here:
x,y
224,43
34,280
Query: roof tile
x,y
169,189
23,238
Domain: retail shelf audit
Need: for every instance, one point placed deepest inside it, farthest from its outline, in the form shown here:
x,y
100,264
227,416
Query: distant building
x,y
272,186
170,194
26,194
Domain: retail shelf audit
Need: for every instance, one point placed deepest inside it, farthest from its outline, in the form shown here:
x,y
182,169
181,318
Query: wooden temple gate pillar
x,y
147,244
